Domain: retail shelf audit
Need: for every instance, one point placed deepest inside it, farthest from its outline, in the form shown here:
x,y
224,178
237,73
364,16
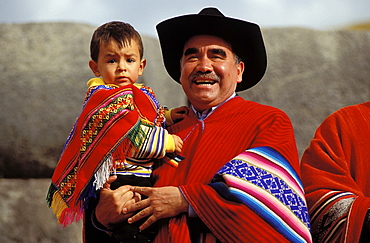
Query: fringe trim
x,y
102,175
63,213
69,215
55,201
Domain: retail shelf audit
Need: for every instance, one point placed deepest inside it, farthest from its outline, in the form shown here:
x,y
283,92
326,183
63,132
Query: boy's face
x,y
119,66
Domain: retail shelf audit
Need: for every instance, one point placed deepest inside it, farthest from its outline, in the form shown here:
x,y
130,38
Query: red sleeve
x,y
335,172
229,221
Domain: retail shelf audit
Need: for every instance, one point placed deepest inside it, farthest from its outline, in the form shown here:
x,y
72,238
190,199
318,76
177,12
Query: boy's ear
x,y
142,66
94,68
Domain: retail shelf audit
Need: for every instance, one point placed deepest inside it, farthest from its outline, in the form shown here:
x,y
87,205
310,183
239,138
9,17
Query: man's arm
x,y
281,202
263,188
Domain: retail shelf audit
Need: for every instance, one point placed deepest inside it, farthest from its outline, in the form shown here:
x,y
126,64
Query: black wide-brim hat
x,y
245,39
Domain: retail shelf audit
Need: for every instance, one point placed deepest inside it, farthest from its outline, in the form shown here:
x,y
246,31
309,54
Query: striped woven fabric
x,y
264,181
330,214
151,147
109,116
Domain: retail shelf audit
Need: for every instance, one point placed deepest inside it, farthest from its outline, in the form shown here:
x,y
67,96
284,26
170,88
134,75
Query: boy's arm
x,y
175,115
153,142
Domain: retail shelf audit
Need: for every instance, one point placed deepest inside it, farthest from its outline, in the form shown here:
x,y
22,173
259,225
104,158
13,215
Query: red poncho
x,y
336,174
110,117
231,129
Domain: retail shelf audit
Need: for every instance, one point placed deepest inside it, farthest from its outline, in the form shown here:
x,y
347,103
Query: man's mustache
x,y
212,76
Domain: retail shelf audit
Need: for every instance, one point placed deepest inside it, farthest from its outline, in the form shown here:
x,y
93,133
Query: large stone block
x,y
25,216
313,73
44,72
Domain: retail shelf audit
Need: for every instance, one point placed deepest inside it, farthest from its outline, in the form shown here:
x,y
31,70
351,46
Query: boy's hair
x,y
120,32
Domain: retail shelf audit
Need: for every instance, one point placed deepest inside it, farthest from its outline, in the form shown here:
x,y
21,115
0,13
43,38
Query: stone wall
x,y
44,71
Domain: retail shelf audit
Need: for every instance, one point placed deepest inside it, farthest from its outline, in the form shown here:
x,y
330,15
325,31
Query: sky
x,y
145,14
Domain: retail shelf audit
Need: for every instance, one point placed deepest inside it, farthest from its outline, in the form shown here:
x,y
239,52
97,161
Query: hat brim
x,y
245,38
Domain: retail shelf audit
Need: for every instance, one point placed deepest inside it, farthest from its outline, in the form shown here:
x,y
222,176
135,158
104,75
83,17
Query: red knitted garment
x,y
232,128
336,174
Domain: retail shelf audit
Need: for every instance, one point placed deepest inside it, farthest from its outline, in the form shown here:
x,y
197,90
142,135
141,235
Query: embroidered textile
x,y
264,181
112,122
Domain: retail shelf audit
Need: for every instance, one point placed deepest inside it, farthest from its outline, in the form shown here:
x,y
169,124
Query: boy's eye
x,y
130,60
112,61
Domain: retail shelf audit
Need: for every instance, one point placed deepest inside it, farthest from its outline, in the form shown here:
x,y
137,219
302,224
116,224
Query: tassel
x,y
69,215
58,205
101,176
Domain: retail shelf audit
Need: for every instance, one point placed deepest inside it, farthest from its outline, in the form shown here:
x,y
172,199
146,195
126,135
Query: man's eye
x,y
217,57
190,58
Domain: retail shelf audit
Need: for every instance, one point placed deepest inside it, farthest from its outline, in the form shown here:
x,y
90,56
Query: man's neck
x,y
203,113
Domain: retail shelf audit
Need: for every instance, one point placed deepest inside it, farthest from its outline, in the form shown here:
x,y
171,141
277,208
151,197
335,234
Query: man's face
x,y
209,74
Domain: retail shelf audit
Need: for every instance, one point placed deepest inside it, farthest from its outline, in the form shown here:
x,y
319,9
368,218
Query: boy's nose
x,y
121,67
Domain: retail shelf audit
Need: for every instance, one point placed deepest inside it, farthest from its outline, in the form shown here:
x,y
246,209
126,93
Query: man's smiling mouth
x,y
204,82
205,79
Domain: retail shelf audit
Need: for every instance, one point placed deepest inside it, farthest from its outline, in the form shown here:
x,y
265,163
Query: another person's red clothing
x,y
336,175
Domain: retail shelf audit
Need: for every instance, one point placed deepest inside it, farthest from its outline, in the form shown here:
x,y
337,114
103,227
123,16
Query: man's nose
x,y
204,65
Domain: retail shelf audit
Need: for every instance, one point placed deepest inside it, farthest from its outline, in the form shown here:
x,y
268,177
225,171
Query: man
x,y
335,172
239,180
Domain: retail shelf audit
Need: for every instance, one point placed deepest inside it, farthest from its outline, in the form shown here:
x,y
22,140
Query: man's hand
x,y
111,203
162,202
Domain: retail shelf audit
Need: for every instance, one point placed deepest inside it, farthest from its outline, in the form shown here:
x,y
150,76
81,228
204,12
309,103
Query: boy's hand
x,y
179,113
178,143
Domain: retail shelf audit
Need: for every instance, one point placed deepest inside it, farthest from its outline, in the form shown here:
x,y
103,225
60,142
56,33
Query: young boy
x,y
120,129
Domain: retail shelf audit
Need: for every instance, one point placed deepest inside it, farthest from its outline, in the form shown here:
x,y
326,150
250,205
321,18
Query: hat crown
x,y
244,37
211,12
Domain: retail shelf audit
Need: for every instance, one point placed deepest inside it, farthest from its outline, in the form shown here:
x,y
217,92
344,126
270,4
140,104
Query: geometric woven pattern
x,y
269,182
263,180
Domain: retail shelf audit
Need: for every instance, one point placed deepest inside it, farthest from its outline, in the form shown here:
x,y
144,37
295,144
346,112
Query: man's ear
x,y
240,67
94,68
142,66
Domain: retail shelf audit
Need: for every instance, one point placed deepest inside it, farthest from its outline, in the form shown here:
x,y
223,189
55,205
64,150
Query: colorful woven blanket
x,y
108,125
264,180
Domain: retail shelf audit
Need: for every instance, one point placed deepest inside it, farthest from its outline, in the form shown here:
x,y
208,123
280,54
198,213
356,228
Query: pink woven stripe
x,y
272,167
271,202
